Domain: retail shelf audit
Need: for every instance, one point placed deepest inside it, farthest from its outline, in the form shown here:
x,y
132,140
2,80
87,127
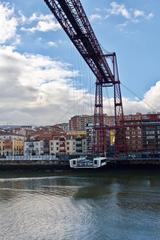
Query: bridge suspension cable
x,y
73,19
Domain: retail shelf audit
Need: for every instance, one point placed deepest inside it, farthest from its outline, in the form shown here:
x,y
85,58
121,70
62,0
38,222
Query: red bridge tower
x,y
72,17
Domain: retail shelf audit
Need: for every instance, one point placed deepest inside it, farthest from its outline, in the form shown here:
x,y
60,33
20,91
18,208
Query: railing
x,y
64,157
31,158
133,158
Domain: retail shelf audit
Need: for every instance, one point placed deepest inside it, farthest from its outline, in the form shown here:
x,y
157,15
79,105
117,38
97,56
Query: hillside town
x,y
76,137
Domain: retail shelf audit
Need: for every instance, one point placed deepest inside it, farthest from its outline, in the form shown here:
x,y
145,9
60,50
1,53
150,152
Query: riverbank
x,y
34,164
64,164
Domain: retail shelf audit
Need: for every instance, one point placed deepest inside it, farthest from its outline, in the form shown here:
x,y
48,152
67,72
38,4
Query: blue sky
x,y
44,77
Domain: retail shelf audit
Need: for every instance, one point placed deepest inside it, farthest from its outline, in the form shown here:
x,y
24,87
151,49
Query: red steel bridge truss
x,y
72,17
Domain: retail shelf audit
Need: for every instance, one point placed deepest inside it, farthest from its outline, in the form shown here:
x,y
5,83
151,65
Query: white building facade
x,y
34,148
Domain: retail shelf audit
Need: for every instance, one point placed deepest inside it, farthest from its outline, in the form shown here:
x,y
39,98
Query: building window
x,y
150,137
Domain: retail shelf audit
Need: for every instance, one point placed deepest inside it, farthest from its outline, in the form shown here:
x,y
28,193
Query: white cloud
x,y
130,15
52,44
44,23
119,9
95,17
21,18
149,16
39,90
153,95
8,22
133,106
116,9
138,13
55,43
149,103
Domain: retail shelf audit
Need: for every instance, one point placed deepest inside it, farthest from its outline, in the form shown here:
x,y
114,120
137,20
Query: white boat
x,y
84,162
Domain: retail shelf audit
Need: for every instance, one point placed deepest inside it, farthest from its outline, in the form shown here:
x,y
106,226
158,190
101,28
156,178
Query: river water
x,y
115,205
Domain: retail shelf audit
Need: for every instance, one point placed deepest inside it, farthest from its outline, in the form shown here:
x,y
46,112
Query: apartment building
x,y
34,147
11,147
143,132
11,144
80,122
72,143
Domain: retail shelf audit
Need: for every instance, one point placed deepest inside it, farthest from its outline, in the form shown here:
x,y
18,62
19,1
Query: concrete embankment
x,y
136,163
34,164
64,164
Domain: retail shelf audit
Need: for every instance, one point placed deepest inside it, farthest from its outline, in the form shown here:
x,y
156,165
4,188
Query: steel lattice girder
x,y
71,15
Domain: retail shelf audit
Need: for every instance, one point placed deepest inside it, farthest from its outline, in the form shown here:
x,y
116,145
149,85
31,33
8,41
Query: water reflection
x,y
113,205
